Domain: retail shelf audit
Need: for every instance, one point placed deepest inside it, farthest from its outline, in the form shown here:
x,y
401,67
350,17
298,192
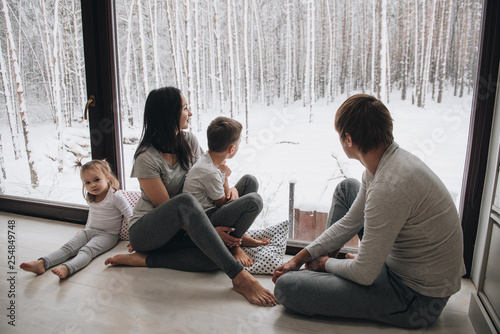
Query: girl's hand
x,y
130,249
228,240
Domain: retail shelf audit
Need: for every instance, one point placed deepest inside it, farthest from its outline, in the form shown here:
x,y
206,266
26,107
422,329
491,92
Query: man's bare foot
x,y
134,260
247,241
241,256
252,290
37,267
62,271
317,264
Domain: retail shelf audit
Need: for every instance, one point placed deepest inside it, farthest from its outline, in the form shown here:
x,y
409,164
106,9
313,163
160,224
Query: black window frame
x,y
101,62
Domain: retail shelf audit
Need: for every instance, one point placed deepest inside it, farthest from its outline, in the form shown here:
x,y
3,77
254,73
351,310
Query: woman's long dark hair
x,y
161,127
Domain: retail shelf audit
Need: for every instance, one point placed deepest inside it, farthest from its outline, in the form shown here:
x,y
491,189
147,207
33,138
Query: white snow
x,y
283,147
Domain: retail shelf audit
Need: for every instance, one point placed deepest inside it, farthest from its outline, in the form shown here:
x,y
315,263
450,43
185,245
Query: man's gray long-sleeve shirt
x,y
410,223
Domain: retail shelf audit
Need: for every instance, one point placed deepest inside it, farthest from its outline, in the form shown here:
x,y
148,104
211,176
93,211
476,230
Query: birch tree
x,y
9,104
20,95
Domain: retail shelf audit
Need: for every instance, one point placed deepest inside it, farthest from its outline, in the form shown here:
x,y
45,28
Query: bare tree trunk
x,y
144,61
212,51
80,62
444,58
237,59
20,95
153,19
232,88
384,62
261,51
129,109
218,42
197,63
190,62
9,104
406,47
247,69
171,34
57,91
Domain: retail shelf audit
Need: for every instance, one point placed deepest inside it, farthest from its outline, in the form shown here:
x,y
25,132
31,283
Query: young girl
x,y
103,224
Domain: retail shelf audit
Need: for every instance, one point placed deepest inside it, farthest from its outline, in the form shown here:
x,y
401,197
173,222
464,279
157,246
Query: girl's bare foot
x,y
252,290
247,241
241,256
62,271
134,260
37,267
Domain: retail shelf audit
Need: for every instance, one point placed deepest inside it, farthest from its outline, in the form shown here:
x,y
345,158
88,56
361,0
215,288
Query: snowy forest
x,y
236,58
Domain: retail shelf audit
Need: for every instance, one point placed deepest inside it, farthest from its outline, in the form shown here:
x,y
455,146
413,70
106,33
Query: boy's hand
x,y
225,169
232,195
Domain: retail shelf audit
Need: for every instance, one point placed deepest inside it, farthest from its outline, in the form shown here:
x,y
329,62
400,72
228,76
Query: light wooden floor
x,y
101,299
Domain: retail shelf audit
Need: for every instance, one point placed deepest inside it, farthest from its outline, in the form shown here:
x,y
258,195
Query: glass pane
x,y
42,75
282,68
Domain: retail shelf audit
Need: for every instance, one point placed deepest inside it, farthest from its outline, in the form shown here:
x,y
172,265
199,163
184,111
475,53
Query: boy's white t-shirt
x,y
107,214
205,182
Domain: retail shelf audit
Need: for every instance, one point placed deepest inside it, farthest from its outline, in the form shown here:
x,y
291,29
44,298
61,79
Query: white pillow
x,y
267,258
132,197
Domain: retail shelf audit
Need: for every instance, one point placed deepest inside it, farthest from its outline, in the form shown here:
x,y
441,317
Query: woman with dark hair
x,y
170,229
410,259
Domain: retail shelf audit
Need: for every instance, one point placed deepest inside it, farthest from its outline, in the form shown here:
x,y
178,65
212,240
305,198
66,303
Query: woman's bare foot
x,y
241,256
37,267
317,264
62,271
247,241
252,290
134,260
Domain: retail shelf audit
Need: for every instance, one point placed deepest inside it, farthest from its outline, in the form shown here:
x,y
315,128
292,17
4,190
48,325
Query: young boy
x,y
231,210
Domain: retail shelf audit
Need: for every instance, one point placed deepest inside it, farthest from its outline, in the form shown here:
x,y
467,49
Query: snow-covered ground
x,y
283,146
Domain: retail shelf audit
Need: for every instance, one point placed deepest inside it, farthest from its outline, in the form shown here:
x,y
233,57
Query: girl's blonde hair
x,y
104,167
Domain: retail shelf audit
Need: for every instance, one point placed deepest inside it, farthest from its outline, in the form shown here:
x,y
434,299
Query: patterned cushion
x,y
132,197
267,258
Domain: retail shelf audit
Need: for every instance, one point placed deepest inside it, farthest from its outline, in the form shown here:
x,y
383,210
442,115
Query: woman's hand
x,y
228,240
130,249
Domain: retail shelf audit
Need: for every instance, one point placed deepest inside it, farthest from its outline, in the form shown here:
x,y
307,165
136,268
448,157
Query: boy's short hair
x,y
367,120
222,133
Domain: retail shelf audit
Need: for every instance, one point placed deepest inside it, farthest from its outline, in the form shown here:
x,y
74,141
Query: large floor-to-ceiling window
x,y
281,68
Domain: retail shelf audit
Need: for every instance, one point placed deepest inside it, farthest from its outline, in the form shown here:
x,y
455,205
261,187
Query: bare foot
x,y
241,256
37,267
62,271
317,264
351,256
252,290
247,241
134,260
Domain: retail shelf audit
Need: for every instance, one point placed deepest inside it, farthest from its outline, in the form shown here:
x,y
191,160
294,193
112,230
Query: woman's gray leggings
x,y
199,247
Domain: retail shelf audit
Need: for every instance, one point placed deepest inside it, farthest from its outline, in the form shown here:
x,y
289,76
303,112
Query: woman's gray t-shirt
x,y
150,165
